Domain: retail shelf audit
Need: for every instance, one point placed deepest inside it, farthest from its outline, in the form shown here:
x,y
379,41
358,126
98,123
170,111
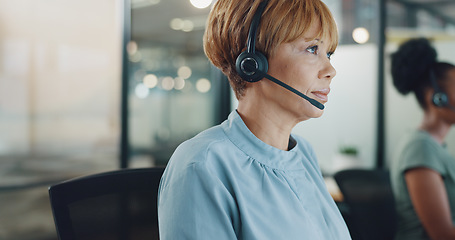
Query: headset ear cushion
x,y
255,61
440,99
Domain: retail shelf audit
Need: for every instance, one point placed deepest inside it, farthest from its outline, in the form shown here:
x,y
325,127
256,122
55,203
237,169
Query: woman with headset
x,y
423,171
249,177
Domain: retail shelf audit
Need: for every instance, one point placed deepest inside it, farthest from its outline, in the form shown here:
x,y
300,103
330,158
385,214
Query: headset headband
x,y
251,44
434,82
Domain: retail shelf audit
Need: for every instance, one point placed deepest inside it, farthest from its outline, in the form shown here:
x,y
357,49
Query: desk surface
x,y
333,188
30,174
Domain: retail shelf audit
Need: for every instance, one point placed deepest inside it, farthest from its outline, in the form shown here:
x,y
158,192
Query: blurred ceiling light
x,y
361,35
176,24
141,91
182,25
184,72
150,80
143,3
167,83
179,83
203,85
131,47
201,3
188,26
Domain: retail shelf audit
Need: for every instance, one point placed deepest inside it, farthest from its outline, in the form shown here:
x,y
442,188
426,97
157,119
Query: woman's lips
x,y
321,95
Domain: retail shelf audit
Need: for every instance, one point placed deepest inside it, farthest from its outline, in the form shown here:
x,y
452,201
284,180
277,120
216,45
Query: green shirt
x,y
419,149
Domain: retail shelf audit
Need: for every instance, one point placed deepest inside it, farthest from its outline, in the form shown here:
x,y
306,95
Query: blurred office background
x,y
94,85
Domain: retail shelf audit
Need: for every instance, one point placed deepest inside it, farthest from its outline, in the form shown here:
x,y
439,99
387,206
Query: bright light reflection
x,y
180,24
150,80
141,91
131,47
187,26
203,85
167,83
361,35
201,3
176,24
179,83
184,72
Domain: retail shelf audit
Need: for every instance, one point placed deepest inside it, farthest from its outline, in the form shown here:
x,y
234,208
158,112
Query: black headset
x,y
251,63
440,98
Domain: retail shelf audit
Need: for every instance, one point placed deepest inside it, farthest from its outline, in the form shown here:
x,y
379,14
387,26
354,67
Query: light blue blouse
x,y
225,183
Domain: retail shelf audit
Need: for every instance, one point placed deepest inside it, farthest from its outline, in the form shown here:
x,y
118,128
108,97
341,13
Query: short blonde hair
x,y
283,21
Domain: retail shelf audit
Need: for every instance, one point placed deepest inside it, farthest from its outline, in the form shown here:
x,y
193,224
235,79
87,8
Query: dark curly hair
x,y
411,66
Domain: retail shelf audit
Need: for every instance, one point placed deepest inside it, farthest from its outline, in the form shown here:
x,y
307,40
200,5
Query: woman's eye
x,y
313,49
329,55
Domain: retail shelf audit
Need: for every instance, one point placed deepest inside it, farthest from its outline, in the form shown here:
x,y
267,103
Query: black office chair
x,y
113,205
369,198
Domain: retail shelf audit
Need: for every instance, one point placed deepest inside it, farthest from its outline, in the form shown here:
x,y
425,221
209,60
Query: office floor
x,y
26,215
25,212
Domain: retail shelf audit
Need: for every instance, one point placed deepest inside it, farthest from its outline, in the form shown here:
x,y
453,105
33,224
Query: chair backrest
x,y
119,204
369,198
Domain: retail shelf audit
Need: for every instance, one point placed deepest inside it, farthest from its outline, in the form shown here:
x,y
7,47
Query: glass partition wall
x,y
174,92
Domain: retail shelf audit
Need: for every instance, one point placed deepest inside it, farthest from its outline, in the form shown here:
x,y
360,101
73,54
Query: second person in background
x,y
423,170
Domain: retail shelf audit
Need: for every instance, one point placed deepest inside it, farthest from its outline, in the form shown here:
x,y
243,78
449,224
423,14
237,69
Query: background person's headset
x,y
440,98
252,65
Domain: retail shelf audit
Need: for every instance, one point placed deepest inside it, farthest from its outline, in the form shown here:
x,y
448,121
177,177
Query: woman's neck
x,y
435,126
267,123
